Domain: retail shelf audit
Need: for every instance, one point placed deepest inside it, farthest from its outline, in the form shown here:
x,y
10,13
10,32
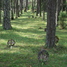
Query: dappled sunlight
x,y
63,55
2,41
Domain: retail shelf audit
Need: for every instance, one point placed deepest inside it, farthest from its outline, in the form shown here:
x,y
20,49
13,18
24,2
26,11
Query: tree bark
x,y
32,6
50,33
0,10
0,15
12,10
21,6
17,9
40,7
43,15
26,7
37,8
6,18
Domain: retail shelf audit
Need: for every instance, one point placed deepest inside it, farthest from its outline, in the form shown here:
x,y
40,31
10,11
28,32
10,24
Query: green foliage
x,y
29,38
62,15
62,18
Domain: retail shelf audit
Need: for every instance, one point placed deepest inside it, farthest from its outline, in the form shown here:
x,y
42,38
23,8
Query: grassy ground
x,y
29,38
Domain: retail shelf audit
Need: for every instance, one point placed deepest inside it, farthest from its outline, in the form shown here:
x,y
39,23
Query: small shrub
x,y
62,17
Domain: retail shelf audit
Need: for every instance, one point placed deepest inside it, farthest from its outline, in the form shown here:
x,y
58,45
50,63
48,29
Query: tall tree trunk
x,y
43,15
32,6
0,10
6,19
26,7
58,2
12,10
0,15
56,11
38,9
14,6
66,8
17,9
44,5
50,35
21,6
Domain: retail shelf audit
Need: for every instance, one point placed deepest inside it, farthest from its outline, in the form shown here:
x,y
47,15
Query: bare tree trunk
x,y
37,8
43,15
17,9
14,6
50,35
44,5
12,10
58,4
21,6
0,10
0,15
32,6
40,7
26,7
6,18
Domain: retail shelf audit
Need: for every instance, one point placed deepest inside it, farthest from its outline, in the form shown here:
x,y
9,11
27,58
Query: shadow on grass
x,y
27,57
24,21
62,32
19,38
61,48
29,30
16,60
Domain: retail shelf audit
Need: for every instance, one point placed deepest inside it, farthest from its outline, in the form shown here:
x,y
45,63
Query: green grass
x,y
29,39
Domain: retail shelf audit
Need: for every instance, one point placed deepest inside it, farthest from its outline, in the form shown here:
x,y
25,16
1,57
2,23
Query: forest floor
x,y
29,40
